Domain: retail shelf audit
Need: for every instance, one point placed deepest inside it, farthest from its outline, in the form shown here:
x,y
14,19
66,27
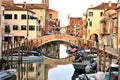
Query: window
x,y
23,27
7,28
31,27
90,13
8,16
41,17
23,16
3,13
101,13
15,27
50,15
15,16
90,23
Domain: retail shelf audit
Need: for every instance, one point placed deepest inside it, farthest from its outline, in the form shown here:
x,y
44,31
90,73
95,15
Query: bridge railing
x,y
45,39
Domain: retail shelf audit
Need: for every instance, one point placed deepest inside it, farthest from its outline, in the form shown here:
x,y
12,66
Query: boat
x,y
25,55
82,62
99,75
7,74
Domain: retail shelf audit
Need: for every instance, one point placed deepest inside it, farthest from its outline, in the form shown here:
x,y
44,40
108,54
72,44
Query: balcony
x,y
104,31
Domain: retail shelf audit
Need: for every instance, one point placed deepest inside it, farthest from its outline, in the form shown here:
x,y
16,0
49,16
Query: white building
x,y
1,25
19,24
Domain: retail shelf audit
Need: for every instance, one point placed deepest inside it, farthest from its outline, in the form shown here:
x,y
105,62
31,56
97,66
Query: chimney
x,y
24,5
110,4
91,6
43,1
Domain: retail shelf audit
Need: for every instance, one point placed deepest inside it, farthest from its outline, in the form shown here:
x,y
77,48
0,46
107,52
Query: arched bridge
x,y
57,37
37,42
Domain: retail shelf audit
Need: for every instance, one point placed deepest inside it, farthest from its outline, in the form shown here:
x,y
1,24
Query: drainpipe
x,y
0,34
24,6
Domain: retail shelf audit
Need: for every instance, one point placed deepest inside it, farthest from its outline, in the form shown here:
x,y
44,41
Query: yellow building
x,y
108,25
94,15
118,25
52,14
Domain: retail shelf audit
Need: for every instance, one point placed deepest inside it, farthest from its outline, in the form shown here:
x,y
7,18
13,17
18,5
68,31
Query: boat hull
x,y
7,74
83,63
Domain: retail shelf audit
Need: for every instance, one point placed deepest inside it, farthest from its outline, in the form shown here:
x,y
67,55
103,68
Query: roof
x,y
104,6
51,10
76,18
33,6
7,1
11,7
28,6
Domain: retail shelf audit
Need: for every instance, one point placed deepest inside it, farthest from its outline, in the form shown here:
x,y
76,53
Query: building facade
x,y
94,15
108,27
1,26
52,22
74,26
19,23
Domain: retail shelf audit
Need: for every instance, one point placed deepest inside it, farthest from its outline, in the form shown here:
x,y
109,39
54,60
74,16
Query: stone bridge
x,y
57,37
37,42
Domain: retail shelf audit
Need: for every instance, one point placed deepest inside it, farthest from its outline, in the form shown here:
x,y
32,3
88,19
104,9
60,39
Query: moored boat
x,y
7,74
82,62
25,55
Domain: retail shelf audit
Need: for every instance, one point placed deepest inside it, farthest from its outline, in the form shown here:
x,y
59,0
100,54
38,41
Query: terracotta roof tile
x,y
51,10
104,5
34,6
30,6
15,8
12,7
7,1
76,18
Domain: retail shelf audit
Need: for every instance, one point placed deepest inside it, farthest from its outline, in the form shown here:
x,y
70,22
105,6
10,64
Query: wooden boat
x,y
83,63
7,74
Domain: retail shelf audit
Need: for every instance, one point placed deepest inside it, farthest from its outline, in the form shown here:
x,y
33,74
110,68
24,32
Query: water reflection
x,y
61,72
42,70
28,71
63,53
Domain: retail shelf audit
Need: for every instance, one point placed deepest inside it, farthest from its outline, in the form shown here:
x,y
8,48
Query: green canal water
x,y
37,70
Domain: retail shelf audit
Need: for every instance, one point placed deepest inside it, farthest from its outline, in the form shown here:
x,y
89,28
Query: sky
x,y
75,8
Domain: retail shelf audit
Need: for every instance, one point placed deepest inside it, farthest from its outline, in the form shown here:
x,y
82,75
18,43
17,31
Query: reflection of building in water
x,y
30,71
50,49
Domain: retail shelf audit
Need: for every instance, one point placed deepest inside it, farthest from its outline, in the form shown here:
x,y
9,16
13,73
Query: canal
x,y
40,70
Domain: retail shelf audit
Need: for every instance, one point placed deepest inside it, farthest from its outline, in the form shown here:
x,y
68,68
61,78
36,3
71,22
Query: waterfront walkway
x,y
109,50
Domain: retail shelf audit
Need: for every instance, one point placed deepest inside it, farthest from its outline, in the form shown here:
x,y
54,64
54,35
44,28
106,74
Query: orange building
x,y
52,22
74,25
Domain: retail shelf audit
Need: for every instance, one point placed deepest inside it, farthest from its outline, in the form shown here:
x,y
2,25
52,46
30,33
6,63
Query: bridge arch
x,y
37,42
54,37
57,37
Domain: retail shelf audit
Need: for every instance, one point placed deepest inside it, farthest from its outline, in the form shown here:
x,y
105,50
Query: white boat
x,y
7,74
30,55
